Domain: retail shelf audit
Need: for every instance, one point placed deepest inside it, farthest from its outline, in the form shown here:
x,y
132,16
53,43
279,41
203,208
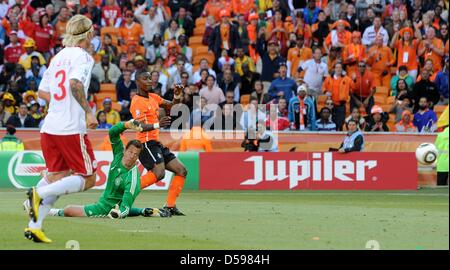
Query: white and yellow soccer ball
x,y
426,153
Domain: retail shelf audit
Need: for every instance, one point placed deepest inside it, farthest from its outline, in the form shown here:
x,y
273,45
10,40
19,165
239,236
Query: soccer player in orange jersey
x,y
155,157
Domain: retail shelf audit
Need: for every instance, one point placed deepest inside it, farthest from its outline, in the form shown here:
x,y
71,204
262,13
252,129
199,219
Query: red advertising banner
x,y
317,171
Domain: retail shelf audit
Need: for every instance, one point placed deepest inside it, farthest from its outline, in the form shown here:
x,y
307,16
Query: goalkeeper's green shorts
x,y
97,209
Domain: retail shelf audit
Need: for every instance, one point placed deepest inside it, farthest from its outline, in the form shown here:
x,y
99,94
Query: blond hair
x,y
77,30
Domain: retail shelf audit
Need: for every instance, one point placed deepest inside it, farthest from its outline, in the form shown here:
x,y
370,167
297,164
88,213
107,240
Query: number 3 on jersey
x,y
61,76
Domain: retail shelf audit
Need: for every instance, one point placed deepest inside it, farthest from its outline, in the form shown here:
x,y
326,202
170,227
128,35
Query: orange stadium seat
x,y
392,117
200,21
386,107
201,50
209,57
199,31
439,108
391,126
390,100
107,88
382,90
321,99
101,96
379,100
195,40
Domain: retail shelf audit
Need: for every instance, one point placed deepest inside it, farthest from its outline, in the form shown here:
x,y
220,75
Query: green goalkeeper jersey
x,y
123,185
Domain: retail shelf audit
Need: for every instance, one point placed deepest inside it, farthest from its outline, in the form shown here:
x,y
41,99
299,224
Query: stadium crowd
x,y
381,63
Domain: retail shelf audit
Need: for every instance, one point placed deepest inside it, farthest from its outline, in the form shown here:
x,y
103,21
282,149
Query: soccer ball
x,y
426,153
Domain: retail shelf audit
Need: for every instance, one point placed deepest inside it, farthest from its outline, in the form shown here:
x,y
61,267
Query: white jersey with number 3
x,y
65,115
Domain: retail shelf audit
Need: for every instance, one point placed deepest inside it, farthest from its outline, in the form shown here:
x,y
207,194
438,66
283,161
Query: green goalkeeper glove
x,y
134,124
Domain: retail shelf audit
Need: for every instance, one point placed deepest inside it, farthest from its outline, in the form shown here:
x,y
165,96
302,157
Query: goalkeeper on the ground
x,y
123,185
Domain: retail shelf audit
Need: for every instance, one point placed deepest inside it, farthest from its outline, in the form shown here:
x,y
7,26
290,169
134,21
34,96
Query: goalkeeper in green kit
x,y
123,185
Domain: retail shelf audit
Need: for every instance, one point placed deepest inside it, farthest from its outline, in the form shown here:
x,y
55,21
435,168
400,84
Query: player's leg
x,y
74,153
68,211
151,158
177,183
34,205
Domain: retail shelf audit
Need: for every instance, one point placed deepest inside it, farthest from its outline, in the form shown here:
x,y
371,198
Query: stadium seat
x,y
382,90
379,100
201,50
386,107
200,21
196,67
195,40
439,108
392,117
390,100
209,57
391,126
101,96
199,30
321,99
319,107
108,88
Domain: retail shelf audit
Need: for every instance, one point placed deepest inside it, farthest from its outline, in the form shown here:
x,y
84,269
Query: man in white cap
x,y
302,111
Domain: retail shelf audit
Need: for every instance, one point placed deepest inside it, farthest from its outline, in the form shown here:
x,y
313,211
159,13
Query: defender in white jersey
x,y
67,151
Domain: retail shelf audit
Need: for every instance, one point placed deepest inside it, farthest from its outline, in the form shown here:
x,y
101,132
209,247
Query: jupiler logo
x,y
318,169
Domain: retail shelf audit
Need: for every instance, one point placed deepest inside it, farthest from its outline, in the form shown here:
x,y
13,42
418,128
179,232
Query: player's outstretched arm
x,y
114,137
164,122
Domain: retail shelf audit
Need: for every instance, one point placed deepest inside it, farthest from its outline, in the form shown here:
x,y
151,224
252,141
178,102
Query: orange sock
x,y
148,179
175,189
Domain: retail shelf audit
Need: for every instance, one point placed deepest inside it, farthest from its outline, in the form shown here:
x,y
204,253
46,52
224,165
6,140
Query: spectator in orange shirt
x,y
428,67
213,7
338,37
304,29
354,53
406,124
338,86
130,30
406,50
196,140
297,55
252,30
243,6
432,48
63,18
275,30
28,25
363,88
380,59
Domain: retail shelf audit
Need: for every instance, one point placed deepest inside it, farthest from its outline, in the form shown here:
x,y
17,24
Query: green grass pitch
x,y
248,220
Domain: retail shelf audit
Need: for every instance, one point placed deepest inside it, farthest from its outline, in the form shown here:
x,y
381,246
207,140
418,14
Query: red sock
x,y
175,189
148,179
